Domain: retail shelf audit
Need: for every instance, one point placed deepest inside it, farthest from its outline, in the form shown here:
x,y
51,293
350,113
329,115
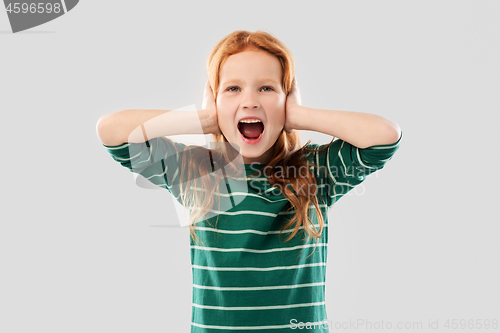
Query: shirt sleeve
x,y
345,166
157,160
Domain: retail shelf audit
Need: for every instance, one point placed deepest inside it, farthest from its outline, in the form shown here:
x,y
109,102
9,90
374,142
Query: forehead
x,y
251,64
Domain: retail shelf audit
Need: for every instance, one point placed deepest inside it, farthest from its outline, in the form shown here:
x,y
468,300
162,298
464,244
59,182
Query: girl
x,y
256,186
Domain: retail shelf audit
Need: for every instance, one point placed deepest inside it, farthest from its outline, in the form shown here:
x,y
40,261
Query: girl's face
x,y
250,86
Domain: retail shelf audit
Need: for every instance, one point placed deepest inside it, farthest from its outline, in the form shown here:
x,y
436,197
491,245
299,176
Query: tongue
x,y
251,130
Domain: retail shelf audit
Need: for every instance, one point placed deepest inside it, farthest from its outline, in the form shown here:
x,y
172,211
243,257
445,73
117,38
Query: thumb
x,y
207,94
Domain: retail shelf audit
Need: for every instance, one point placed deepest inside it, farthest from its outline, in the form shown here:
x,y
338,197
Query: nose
x,y
250,101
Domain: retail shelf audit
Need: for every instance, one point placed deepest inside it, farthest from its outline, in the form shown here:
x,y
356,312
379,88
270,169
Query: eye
x,y
267,87
232,89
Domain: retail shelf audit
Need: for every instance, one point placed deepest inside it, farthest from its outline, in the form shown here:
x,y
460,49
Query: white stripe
x,y
253,327
177,172
271,189
245,231
346,184
251,212
270,307
360,161
294,211
342,159
303,285
388,147
250,178
127,159
256,195
242,327
328,165
316,156
166,168
257,268
242,193
206,248
148,160
160,175
123,145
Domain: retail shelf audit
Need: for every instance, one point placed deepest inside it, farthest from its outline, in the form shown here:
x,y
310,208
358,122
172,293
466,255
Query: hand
x,y
210,122
293,100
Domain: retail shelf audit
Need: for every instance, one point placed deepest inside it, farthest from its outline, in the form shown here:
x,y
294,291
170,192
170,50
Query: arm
x,y
359,129
141,125
136,126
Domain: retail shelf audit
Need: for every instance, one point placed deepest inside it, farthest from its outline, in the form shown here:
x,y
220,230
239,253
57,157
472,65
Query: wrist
x,y
298,116
208,123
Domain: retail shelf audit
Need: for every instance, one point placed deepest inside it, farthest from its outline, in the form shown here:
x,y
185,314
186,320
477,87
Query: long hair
x,y
287,152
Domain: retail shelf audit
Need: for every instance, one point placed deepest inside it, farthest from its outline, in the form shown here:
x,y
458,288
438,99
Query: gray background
x,y
84,249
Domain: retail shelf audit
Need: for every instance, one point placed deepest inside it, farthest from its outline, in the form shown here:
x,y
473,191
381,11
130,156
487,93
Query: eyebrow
x,y
240,81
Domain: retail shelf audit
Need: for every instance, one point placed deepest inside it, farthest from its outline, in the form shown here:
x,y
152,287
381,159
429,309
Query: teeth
x,y
250,121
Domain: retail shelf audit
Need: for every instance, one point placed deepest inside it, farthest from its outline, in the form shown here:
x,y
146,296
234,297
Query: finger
x,y
209,92
207,87
205,95
297,88
208,96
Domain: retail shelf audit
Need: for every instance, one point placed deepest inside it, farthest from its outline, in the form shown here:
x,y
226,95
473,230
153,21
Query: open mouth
x,y
251,129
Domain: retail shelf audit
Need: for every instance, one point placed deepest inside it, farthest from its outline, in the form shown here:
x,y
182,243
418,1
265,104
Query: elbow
x,y
387,134
106,130
101,128
394,132
390,132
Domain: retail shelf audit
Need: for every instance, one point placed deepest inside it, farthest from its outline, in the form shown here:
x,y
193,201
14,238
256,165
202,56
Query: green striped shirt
x,y
245,276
